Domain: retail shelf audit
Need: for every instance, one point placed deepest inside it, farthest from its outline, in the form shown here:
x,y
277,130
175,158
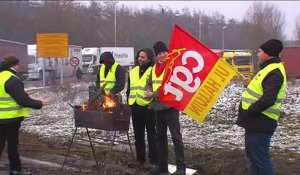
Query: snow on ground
x,y
55,121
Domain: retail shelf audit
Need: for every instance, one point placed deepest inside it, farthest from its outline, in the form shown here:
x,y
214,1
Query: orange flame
x,y
108,102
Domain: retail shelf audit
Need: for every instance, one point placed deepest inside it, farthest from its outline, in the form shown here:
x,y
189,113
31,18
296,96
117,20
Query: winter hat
x,y
9,61
108,56
159,46
272,47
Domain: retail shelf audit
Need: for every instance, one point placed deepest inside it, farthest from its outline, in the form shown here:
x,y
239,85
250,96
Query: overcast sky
x,y
230,9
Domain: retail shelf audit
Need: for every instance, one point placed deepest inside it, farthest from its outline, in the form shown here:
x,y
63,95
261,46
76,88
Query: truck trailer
x,y
290,57
91,57
19,50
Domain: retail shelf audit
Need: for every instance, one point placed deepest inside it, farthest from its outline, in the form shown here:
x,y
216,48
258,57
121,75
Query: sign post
x,y
74,61
53,45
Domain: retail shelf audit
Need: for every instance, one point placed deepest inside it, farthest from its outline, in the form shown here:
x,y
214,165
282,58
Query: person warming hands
x,y
15,103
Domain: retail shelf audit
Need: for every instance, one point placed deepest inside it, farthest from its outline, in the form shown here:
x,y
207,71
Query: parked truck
x,y
241,60
90,59
290,57
91,56
19,50
53,65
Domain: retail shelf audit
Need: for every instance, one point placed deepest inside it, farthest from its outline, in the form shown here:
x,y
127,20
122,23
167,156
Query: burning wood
x,y
108,102
100,102
102,111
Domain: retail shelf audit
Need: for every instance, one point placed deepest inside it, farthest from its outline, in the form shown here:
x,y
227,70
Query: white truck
x,y
52,65
91,57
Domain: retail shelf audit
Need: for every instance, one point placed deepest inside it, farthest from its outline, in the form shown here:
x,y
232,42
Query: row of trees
x,y
94,24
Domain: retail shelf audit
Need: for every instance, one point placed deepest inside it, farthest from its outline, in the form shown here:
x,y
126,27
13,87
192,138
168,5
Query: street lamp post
x,y
115,15
174,18
223,37
200,26
172,21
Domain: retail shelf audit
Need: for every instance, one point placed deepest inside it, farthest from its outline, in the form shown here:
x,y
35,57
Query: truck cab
x,y
90,60
241,60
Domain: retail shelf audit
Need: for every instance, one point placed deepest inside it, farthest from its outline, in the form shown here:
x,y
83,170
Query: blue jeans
x,y
257,147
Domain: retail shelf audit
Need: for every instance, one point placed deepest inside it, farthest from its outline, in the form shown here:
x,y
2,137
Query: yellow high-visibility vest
x,y
9,108
156,81
110,79
255,90
137,86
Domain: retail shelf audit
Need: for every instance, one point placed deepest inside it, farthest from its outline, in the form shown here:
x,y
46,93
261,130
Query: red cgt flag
x,y
194,76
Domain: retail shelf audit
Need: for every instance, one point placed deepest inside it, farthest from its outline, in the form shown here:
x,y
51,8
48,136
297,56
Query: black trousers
x,y
10,132
164,119
143,118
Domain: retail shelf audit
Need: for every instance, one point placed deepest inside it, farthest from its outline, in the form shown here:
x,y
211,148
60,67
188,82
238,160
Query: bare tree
x,y
92,24
264,21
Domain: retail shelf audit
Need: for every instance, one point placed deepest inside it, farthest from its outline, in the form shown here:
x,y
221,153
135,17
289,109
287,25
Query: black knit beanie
x,y
8,62
272,47
159,46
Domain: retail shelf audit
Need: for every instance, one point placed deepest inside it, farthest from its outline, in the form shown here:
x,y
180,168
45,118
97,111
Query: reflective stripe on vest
x,y
137,86
110,79
156,81
9,108
254,91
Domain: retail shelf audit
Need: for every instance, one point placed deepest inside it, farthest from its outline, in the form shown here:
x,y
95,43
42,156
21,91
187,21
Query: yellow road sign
x,y
52,45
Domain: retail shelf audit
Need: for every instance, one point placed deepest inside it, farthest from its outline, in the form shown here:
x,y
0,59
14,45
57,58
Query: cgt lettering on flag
x,y
187,81
194,76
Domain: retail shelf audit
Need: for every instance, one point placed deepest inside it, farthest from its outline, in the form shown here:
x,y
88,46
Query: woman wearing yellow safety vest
x,y
14,105
260,105
142,117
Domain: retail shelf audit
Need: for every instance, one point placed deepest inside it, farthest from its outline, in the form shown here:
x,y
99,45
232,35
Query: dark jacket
x,y
143,68
120,76
78,74
252,119
15,88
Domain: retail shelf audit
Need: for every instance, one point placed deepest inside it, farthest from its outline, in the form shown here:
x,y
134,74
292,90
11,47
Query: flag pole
x,y
241,75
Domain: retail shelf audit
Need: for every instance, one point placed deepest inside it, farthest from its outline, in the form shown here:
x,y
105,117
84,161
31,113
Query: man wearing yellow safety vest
x,y
165,116
260,105
111,73
14,105
142,117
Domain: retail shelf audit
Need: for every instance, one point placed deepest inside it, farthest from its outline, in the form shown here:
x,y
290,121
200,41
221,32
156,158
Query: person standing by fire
x,y
14,105
111,73
165,116
142,117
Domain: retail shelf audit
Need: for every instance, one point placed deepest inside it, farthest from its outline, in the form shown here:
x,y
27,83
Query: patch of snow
x,y
218,131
